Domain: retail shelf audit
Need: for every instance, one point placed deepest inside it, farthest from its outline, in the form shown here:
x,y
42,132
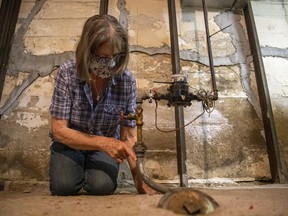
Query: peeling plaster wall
x,y
227,143
272,26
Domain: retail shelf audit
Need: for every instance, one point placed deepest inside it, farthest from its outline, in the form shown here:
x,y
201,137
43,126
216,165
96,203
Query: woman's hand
x,y
128,135
118,150
82,141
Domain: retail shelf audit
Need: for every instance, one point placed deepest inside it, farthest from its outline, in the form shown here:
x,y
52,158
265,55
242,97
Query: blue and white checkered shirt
x,y
72,101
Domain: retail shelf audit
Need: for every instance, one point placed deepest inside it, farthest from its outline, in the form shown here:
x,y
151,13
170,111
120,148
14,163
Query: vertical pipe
x,y
103,7
139,121
211,63
175,57
140,149
179,113
8,18
264,98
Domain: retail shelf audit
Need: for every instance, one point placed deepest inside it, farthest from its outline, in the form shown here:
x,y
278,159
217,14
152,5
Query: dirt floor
x,y
35,200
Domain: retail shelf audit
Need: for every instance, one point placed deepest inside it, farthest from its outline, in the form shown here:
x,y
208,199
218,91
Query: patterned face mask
x,y
103,66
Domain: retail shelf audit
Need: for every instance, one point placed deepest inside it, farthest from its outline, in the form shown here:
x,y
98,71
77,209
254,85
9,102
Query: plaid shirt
x,y
72,101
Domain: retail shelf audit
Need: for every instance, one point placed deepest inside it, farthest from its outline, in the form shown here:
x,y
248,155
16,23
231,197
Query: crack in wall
x,y
242,55
123,18
36,66
12,102
285,8
268,51
22,61
40,66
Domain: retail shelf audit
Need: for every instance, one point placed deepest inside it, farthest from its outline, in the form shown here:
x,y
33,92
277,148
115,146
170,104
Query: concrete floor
x,y
34,199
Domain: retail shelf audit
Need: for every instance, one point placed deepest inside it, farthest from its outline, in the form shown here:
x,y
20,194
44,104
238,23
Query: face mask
x,y
103,66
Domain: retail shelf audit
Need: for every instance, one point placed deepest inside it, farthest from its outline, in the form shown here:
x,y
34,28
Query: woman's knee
x,y
64,188
101,186
104,189
66,171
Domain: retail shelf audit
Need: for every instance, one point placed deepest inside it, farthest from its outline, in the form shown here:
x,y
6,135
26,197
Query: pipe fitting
x,y
139,148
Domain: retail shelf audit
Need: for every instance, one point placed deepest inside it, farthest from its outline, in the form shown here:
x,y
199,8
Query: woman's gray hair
x,y
98,30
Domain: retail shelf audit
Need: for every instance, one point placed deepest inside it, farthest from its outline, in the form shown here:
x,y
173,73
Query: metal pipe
x,y
179,113
175,56
140,149
210,55
264,98
9,12
145,177
139,121
103,7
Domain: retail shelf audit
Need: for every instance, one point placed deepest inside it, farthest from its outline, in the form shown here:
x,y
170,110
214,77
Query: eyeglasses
x,y
110,61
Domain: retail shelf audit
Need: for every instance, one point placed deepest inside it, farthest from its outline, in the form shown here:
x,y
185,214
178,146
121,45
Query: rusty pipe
x,y
140,149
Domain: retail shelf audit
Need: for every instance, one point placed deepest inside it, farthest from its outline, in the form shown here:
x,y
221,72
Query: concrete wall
x,y
271,20
227,143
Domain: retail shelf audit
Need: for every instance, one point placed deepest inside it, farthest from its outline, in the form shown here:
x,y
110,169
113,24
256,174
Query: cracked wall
x,y
272,26
228,143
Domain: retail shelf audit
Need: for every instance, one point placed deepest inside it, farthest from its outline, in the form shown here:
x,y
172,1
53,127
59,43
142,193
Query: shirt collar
x,y
114,79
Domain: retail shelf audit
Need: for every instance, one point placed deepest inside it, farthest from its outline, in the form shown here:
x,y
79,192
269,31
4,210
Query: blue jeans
x,y
71,170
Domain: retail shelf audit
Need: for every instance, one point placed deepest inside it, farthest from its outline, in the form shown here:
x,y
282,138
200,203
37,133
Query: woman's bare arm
x,y
83,141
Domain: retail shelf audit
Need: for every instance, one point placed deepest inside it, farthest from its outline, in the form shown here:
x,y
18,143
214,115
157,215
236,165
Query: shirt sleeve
x,y
131,105
61,101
